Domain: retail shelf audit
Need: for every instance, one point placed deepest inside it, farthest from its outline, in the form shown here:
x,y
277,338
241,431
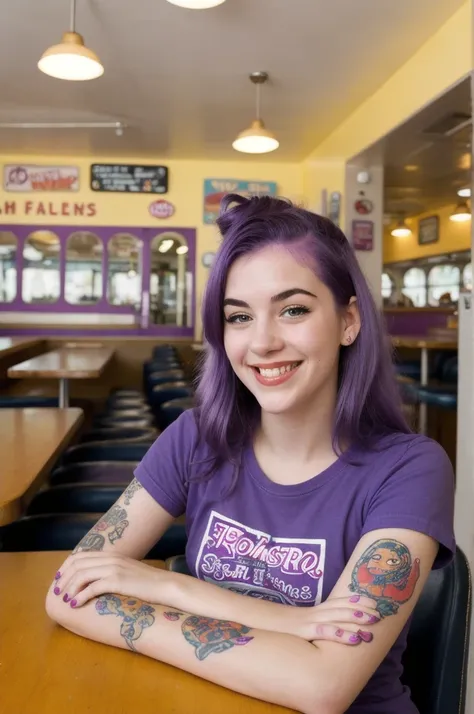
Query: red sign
x,y
161,209
363,235
48,208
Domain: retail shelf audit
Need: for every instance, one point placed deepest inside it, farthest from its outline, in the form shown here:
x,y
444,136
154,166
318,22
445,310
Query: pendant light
x,y
71,59
197,4
465,192
256,139
401,230
461,213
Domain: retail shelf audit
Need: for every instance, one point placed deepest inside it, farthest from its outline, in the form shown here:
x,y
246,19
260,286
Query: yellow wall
x,y
185,192
452,237
439,64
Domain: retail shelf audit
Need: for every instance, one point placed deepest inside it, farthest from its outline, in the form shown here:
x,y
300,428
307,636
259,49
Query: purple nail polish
x,y
354,598
73,603
57,576
358,613
66,598
355,639
57,591
373,619
366,636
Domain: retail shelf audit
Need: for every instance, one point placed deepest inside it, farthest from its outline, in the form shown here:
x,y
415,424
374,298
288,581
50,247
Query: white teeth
x,y
277,371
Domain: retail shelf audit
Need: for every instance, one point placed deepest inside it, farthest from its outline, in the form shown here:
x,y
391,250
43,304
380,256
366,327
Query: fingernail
x,y
354,598
66,598
358,613
57,576
373,619
366,636
355,639
339,633
73,603
57,591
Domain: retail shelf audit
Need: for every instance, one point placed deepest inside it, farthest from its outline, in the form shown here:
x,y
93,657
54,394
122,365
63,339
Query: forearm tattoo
x,y
111,525
209,636
386,573
136,615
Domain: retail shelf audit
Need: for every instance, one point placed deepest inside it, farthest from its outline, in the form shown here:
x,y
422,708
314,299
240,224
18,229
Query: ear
x,y
350,323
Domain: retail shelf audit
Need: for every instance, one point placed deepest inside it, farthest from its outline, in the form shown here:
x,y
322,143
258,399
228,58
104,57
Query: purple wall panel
x,y
414,323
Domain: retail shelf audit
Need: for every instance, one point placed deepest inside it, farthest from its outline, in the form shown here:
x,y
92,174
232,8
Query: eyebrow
x,y
276,298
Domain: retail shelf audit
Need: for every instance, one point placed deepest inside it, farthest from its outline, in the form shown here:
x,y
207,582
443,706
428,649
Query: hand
x,y
343,619
87,575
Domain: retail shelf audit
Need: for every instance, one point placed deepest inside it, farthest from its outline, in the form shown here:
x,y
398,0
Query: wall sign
x,y
129,178
363,235
363,206
48,208
216,189
25,177
428,230
208,259
335,207
161,209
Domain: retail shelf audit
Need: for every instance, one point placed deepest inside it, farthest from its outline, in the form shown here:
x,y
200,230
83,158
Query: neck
x,y
301,436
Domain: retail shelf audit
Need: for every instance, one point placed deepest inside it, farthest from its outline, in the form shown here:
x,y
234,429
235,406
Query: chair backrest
x,y
75,498
127,434
435,661
108,473
105,451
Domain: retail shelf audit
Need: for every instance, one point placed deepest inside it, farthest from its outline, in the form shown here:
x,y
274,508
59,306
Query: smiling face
x,y
384,561
283,331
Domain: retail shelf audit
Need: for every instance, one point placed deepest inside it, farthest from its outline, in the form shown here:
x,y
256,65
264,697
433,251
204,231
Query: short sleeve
x,y
163,471
417,493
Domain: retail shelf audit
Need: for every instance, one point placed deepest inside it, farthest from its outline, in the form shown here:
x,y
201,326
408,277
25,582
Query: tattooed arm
x,y
388,566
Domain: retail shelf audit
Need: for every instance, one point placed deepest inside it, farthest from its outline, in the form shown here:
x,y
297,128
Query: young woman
x,y
303,490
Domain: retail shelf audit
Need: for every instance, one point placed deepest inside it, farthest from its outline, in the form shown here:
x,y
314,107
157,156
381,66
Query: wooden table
x,y
64,364
44,668
425,343
10,345
30,442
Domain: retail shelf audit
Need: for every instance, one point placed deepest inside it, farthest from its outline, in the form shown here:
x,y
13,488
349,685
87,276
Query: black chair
x,y
105,451
107,473
436,658
75,498
126,434
64,531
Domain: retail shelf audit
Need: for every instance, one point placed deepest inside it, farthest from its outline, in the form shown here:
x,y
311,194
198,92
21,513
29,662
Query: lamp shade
x,y
256,140
197,4
401,230
71,60
461,213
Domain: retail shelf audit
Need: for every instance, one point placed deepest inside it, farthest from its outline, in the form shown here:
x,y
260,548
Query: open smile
x,y
272,375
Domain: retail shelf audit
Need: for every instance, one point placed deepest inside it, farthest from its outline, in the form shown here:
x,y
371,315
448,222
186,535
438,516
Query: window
x,y
83,284
414,286
387,285
8,249
124,279
41,284
443,280
467,276
170,281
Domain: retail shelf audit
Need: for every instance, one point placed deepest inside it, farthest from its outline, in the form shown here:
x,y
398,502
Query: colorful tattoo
x,y
114,521
386,573
131,490
136,615
210,636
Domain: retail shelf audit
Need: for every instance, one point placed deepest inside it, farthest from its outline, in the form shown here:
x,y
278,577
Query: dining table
x,y
424,343
45,668
64,364
31,440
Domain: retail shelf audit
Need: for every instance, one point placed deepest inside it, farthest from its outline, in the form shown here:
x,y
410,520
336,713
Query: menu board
x,y
129,178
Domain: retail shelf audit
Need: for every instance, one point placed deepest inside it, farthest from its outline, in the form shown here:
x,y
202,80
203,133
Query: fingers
x,y
362,601
69,587
346,635
348,615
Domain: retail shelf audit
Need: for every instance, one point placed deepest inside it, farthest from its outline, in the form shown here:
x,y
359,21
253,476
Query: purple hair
x,y
368,401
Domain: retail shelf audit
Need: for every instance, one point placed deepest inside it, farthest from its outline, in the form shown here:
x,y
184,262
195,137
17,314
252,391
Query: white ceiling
x,y
428,158
178,77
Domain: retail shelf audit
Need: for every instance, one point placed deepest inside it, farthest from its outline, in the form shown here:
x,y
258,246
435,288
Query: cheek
x,y
235,346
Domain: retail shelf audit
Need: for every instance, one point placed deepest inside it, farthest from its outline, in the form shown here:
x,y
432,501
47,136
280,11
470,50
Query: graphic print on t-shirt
x,y
252,562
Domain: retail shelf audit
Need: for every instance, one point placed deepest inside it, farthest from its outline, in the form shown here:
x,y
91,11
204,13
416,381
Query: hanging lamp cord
x,y
73,16
258,86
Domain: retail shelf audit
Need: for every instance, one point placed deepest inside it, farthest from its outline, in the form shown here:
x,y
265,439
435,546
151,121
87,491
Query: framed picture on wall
x,y
428,230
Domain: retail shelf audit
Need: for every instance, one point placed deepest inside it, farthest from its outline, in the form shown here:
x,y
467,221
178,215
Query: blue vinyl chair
x,y
170,411
105,451
108,473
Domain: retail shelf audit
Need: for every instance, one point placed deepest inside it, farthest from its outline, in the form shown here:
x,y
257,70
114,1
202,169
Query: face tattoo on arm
x,y
386,573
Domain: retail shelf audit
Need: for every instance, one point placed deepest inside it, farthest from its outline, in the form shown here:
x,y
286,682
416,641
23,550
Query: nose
x,y
265,338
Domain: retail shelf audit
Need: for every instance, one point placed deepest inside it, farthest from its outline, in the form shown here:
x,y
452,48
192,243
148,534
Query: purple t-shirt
x,y
290,544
